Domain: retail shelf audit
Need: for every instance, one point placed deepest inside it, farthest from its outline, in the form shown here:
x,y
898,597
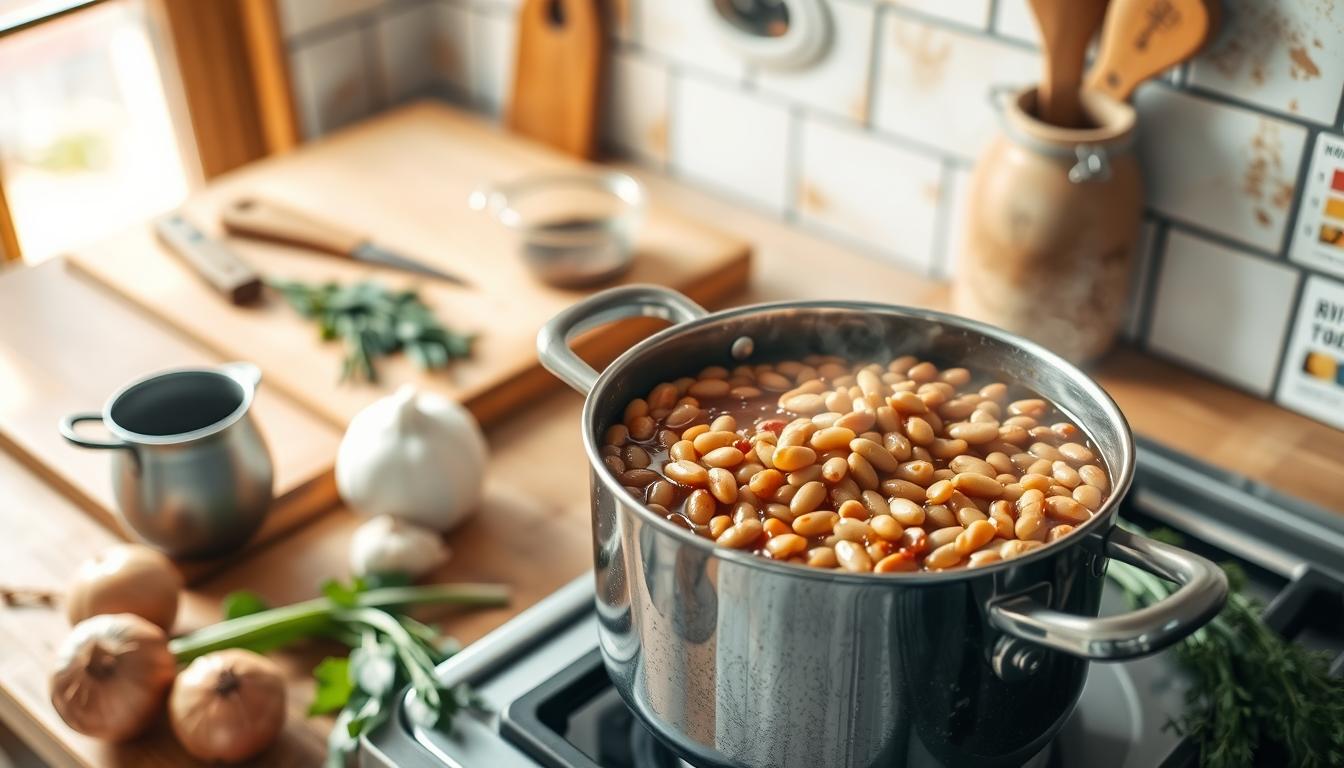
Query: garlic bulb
x,y
386,544
412,455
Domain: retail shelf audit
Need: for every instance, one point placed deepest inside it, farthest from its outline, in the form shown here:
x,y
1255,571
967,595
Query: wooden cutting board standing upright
x,y
557,74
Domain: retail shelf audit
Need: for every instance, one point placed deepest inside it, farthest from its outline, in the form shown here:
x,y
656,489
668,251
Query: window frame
x,y
229,64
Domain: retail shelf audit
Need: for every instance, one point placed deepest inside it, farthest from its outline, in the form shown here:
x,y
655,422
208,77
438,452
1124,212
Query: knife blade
x,y
276,222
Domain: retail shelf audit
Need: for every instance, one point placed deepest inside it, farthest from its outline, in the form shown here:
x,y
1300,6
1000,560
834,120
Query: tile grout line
x,y
793,171
1294,308
373,74
942,233
1300,192
1147,293
1213,236
870,90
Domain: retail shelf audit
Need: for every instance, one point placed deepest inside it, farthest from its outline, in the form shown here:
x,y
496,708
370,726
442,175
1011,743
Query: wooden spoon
x,y
1066,28
1144,37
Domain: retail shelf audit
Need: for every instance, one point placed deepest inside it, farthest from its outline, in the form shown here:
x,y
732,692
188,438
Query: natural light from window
x,y
87,138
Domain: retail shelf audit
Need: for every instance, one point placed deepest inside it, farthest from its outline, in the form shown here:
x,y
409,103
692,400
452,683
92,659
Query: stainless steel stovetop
x,y
550,703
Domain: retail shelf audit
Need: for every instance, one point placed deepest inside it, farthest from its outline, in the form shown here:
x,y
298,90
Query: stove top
x,y
550,702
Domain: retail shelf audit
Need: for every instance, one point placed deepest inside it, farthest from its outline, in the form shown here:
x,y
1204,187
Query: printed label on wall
x,y
1319,238
1313,371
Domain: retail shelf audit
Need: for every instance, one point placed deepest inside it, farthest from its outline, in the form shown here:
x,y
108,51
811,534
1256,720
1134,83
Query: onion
x,y
228,706
127,578
113,671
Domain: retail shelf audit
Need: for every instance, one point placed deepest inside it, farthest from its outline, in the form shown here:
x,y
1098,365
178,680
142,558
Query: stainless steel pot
x,y
734,659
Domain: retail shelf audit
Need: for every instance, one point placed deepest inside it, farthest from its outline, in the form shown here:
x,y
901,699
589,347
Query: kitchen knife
x,y
267,220
210,258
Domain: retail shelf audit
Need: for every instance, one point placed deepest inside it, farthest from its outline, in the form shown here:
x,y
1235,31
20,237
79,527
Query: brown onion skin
x,y
228,706
126,578
112,675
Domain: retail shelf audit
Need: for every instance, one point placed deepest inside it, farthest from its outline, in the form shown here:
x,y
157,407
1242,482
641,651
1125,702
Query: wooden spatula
x,y
1066,28
1144,37
557,74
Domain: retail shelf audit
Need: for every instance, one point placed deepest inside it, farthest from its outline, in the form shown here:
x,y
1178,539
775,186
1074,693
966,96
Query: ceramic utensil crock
x,y
190,471
1051,227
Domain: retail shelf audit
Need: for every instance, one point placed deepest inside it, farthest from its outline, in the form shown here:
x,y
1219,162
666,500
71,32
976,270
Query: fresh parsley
x,y
373,321
1256,698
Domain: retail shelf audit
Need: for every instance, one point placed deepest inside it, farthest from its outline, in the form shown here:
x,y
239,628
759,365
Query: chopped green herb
x,y
372,321
1256,698
389,650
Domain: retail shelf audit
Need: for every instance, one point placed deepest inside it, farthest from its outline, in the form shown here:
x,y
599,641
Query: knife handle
x,y
254,217
209,258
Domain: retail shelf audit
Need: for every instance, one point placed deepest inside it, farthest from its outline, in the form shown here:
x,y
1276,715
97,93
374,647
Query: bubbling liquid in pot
x,y
870,467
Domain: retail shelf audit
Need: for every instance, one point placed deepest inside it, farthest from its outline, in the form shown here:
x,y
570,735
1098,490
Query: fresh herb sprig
x,y
373,321
1254,695
388,650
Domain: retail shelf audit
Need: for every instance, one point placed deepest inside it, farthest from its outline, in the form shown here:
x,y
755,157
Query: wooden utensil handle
x,y
254,217
209,258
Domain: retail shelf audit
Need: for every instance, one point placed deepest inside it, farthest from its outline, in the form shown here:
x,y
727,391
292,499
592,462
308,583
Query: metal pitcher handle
x,y
71,435
1136,633
601,308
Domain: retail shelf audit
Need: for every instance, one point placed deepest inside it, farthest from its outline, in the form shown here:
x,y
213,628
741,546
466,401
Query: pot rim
x,y
133,438
1100,524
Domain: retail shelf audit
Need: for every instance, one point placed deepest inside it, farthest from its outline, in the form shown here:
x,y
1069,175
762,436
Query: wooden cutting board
x,y
75,345
404,178
557,74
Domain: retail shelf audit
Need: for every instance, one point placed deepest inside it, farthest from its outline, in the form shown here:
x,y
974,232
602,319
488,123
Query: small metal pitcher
x,y
190,471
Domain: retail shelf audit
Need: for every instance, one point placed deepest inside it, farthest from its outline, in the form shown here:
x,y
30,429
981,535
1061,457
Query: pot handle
x,y
1136,633
599,309
71,434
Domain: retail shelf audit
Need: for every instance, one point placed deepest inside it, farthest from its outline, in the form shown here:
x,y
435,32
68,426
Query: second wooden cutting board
x,y
404,178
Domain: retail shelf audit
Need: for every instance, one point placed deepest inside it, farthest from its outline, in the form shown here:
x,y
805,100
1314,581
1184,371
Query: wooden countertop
x,y
533,533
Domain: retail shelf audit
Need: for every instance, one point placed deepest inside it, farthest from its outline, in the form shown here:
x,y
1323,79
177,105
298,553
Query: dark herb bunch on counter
x,y
374,321
1256,698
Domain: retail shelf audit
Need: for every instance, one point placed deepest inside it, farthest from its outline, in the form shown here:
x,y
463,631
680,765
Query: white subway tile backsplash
x,y
635,118
1013,18
407,50
1219,167
299,16
874,143
838,82
452,47
494,39
685,32
974,13
934,84
330,77
731,140
857,187
1221,310
1285,56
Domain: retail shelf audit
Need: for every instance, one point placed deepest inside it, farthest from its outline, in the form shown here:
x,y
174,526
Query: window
x,y
91,142
112,110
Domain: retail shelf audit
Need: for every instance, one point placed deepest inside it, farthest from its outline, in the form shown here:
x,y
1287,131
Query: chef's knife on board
x,y
209,258
268,220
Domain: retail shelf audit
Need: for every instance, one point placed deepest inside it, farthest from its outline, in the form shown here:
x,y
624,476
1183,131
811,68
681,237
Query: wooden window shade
x,y
231,63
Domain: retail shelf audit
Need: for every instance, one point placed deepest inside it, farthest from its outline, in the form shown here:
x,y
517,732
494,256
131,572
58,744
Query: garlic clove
x,y
386,544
